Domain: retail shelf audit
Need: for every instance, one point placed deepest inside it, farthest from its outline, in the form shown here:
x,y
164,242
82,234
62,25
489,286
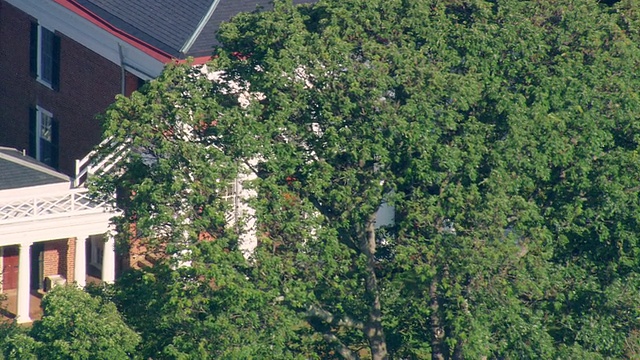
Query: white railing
x,y
230,196
72,202
92,164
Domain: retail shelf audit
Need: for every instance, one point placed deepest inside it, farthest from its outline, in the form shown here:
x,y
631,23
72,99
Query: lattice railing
x,y
72,202
96,163
230,195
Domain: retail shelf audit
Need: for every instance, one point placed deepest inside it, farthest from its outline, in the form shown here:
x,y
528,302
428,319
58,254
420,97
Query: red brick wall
x,y
15,95
55,258
70,260
131,83
88,84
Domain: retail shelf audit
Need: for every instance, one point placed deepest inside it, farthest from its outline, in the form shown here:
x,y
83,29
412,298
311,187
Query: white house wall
x,y
248,238
385,216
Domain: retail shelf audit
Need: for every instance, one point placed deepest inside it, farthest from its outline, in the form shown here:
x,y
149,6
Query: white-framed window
x,y
44,136
45,55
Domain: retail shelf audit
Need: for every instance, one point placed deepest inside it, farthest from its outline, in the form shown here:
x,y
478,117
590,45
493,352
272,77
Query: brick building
x,y
46,228
62,62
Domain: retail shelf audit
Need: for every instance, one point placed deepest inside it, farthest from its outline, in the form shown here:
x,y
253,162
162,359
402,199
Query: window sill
x,y
44,83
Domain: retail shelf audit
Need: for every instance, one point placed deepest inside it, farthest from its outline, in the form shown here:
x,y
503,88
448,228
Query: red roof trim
x,y
103,24
196,61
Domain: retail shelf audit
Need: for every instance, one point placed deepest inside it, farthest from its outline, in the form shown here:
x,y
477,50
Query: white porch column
x,y
80,261
109,260
24,283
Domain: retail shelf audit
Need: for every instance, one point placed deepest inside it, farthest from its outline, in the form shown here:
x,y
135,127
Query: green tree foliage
x,y
16,343
74,325
504,134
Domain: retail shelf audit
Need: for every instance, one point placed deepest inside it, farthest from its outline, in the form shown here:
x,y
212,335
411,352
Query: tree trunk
x,y
373,328
457,353
437,332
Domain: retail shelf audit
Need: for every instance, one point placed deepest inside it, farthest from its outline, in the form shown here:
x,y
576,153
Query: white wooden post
x,y
80,263
109,260
24,283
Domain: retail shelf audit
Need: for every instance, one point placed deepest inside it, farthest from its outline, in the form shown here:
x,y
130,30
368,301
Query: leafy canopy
x,y
74,325
502,133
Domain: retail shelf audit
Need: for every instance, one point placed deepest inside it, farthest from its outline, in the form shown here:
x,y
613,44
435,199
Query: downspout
x,y
124,65
122,71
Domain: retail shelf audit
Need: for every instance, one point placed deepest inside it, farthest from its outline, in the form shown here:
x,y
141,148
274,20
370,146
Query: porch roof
x,y
20,171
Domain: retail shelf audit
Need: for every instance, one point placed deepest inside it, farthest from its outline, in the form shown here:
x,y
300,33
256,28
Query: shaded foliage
x,y
503,133
74,325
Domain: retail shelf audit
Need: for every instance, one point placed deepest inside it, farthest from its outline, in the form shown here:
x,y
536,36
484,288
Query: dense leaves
x,y
74,325
503,134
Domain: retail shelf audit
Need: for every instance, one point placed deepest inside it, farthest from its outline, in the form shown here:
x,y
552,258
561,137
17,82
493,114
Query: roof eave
x,y
87,14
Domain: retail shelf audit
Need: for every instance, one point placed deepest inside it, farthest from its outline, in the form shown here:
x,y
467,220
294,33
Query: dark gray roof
x,y
18,171
224,11
165,24
170,25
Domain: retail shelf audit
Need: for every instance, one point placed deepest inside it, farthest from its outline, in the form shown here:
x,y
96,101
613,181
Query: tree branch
x,y
329,318
326,213
250,167
341,348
